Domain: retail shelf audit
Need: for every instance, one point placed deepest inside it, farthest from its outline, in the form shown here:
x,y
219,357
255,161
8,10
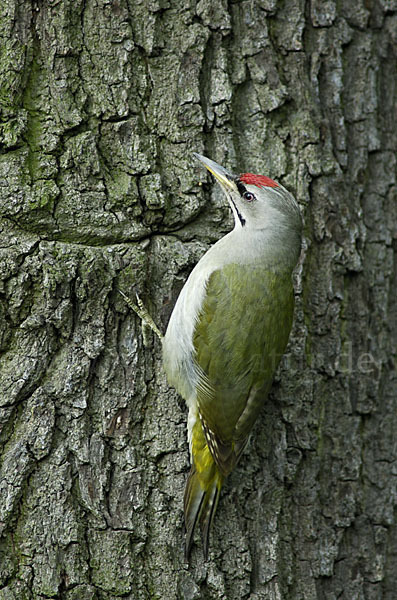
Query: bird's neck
x,y
276,246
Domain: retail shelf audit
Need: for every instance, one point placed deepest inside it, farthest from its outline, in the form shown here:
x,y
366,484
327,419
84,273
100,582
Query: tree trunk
x,y
102,104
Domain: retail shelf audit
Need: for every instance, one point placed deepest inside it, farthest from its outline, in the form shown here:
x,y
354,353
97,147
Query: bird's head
x,y
257,201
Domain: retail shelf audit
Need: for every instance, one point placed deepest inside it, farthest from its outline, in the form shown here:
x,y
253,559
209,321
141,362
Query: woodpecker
x,y
228,331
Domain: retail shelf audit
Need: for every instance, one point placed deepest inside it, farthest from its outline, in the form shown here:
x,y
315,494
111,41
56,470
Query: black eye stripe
x,y
241,188
244,192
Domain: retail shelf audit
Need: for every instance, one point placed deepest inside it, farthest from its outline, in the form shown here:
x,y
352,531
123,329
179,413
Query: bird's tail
x,y
202,491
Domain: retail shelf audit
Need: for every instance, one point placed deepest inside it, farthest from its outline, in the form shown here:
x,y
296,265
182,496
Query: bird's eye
x,y
248,196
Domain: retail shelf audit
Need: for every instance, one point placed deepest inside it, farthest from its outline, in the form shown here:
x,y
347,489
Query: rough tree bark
x,y
102,103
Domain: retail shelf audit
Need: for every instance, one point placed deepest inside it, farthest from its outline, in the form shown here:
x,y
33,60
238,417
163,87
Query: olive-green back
x,y
240,336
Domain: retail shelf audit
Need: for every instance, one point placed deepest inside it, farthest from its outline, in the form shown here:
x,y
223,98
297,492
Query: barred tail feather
x,y
193,503
207,515
200,503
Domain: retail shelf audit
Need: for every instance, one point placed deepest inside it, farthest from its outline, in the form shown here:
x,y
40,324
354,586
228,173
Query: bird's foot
x,y
140,309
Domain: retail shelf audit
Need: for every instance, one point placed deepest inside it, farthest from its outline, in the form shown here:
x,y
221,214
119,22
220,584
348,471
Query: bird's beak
x,y
225,178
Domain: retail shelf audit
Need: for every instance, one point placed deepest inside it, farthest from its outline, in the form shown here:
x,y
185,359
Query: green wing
x,y
240,336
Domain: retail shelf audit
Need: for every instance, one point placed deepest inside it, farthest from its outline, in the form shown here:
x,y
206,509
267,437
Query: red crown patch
x,y
258,180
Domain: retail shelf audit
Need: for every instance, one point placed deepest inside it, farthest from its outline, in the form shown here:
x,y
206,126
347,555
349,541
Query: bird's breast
x,y
178,341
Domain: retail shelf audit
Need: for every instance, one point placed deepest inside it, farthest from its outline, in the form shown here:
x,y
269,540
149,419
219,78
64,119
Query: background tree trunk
x,y
102,103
